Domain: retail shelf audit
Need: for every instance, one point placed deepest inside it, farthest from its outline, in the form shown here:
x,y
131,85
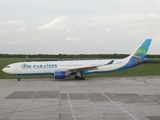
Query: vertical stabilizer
x,y
139,55
142,50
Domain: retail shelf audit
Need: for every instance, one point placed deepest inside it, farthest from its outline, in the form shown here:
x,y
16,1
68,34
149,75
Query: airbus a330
x,y
63,69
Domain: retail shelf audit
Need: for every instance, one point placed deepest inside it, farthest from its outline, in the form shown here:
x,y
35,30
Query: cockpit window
x,y
8,66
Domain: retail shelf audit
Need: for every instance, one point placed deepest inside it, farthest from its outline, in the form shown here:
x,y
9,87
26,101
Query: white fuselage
x,y
49,67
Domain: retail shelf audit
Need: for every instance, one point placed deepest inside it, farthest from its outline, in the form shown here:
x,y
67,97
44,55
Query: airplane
x,y
63,69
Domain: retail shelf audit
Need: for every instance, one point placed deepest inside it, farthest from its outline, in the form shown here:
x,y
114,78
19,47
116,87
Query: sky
x,y
78,26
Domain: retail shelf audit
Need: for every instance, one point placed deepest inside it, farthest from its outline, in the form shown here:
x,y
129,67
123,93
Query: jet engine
x,y
60,74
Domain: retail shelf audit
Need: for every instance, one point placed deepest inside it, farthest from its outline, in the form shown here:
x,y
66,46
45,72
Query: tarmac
x,y
96,98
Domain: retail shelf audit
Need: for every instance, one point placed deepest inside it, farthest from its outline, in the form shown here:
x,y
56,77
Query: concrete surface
x,y
99,98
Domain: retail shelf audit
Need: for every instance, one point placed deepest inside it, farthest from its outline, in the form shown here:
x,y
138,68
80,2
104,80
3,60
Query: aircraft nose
x,y
4,70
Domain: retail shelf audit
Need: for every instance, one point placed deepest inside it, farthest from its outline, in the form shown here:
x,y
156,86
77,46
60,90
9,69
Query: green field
x,y
148,69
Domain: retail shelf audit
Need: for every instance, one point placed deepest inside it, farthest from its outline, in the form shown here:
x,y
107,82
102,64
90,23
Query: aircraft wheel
x,y
77,77
82,78
18,79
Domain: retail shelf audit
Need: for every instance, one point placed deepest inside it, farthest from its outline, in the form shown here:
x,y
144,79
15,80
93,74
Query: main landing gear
x,y
79,76
18,78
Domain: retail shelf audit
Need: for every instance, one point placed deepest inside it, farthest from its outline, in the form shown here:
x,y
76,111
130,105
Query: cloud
x,y
12,25
153,16
22,29
72,39
108,30
98,30
59,23
17,42
1,30
55,24
127,22
14,22
158,3
101,27
120,19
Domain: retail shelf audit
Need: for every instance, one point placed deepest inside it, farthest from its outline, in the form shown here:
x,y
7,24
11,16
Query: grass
x,y
148,69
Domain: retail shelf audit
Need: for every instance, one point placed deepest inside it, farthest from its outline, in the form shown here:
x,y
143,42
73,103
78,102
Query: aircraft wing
x,y
84,68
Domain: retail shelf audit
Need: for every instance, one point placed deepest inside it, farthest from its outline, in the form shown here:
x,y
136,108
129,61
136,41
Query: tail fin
x,y
139,55
142,50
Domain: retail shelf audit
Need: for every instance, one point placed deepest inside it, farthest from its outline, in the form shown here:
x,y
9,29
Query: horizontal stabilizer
x,y
111,62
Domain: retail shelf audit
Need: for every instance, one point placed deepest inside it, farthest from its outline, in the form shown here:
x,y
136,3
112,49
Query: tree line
x,y
61,56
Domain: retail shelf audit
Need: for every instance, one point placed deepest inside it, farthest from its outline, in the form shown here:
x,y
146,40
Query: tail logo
x,y
143,49
140,52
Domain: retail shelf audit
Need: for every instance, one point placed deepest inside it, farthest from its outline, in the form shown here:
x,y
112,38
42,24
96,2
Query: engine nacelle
x,y
60,75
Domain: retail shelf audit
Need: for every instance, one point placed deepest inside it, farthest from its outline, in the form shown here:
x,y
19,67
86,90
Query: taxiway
x,y
98,98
